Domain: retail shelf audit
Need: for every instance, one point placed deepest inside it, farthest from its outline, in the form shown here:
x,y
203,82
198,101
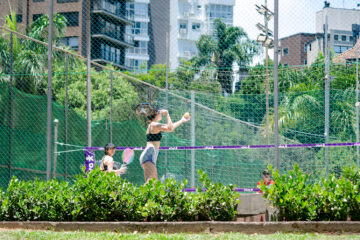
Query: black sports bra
x,y
153,137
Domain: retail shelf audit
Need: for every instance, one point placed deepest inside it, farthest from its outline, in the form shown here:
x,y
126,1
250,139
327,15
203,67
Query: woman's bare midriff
x,y
155,144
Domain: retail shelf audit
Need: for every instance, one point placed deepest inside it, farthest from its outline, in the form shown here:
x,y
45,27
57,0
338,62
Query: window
x,y
337,49
36,16
118,56
341,49
66,1
196,26
351,38
111,6
305,47
72,18
139,28
199,6
72,42
310,47
136,64
305,62
140,10
140,47
336,37
111,54
343,38
182,26
285,51
19,18
38,0
102,49
223,12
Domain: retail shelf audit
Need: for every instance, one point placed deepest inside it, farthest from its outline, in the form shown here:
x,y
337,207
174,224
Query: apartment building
x,y
184,21
109,19
137,57
294,49
343,26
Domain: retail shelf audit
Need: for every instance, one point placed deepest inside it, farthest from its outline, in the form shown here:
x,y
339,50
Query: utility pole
x,y
267,42
267,78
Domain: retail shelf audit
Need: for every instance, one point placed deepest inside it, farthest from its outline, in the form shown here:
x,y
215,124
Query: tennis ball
x,y
186,115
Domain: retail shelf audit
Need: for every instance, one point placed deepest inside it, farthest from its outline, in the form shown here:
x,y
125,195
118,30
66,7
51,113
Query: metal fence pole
x,y
49,92
66,108
212,137
192,138
276,85
111,103
56,125
357,106
267,89
166,99
88,64
11,101
327,95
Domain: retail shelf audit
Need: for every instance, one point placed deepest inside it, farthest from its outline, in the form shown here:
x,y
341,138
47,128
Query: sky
x,y
294,15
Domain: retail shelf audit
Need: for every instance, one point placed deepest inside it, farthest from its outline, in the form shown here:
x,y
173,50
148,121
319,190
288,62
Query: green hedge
x,y
330,199
105,197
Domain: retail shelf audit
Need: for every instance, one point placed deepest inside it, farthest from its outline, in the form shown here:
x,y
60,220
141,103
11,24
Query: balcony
x,y
105,62
113,12
139,34
183,33
117,38
186,55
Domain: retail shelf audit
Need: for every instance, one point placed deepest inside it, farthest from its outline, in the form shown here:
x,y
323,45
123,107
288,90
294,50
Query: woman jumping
x,y
153,136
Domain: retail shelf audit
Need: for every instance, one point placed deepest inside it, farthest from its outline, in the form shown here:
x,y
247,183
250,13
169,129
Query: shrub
x,y
102,196
217,203
35,200
330,198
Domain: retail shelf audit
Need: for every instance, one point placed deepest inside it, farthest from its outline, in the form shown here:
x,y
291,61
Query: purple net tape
x,y
235,189
239,146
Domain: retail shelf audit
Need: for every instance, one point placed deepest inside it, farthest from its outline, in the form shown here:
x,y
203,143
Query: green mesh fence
x,y
234,120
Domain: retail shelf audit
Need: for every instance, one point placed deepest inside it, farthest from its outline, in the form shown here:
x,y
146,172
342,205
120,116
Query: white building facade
x,y
189,19
137,57
340,31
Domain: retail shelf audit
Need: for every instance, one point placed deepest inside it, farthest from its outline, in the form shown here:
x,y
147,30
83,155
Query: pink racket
x,y
128,156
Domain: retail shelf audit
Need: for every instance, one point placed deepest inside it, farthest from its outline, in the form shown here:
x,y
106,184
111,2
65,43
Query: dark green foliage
x,y
105,197
217,203
330,199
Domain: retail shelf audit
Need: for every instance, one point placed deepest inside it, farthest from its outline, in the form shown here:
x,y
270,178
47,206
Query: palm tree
x,y
301,109
29,57
226,46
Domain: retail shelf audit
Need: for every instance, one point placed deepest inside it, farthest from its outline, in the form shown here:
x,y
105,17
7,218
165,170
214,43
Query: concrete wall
x,y
339,19
159,24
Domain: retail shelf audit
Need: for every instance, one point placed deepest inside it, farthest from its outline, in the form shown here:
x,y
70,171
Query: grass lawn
x,y
39,235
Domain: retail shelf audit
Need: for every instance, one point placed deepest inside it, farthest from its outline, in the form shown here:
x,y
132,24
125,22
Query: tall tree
x,y
226,46
29,57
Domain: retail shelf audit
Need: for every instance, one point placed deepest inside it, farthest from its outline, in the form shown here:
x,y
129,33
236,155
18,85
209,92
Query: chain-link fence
x,y
214,60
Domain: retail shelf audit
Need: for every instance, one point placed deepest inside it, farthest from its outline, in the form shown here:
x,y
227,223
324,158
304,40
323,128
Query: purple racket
x,y
128,156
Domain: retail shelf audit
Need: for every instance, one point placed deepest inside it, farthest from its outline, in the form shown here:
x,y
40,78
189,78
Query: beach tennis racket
x,y
145,110
128,156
